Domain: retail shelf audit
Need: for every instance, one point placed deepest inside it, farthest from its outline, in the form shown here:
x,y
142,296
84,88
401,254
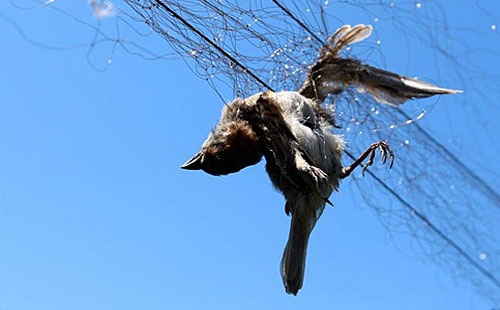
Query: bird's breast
x,y
314,135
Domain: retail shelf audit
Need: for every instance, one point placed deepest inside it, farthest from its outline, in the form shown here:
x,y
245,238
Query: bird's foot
x,y
316,177
385,151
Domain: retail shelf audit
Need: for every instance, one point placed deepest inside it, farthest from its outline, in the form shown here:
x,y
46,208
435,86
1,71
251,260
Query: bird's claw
x,y
385,152
319,177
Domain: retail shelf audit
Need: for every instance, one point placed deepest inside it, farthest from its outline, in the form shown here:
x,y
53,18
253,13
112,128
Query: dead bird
x,y
292,131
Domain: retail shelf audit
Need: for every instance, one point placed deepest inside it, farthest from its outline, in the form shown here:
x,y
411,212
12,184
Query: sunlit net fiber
x,y
277,49
259,35
107,26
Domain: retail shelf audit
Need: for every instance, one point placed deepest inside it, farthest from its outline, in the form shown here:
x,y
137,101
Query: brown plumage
x,y
289,128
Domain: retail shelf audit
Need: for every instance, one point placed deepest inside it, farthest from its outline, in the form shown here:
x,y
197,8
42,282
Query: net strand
x,y
412,209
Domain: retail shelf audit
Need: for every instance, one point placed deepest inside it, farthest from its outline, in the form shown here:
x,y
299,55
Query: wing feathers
x,y
331,74
394,89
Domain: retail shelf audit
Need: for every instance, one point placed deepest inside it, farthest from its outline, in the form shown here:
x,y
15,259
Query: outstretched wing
x,y
331,74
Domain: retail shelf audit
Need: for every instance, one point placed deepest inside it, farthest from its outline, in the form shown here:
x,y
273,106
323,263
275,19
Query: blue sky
x,y
96,214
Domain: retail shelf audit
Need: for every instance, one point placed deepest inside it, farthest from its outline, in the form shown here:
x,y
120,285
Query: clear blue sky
x,y
96,214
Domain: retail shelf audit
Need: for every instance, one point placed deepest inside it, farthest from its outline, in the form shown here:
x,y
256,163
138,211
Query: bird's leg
x,y
384,149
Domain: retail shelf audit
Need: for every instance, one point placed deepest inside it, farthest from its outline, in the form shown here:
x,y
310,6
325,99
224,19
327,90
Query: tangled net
x,y
241,47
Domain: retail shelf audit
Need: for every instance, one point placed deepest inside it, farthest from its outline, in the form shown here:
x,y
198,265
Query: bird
x,y
296,136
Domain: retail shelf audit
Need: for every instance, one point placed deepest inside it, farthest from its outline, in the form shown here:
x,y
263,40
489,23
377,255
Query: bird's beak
x,y
194,163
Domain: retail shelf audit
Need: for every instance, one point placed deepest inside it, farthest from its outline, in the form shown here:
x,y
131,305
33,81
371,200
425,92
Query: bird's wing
x,y
335,75
392,88
331,74
344,36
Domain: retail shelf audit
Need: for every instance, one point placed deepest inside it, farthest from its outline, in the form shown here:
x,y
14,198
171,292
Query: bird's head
x,y
230,147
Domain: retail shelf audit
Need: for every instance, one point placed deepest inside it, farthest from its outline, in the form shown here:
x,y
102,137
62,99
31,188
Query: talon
x,y
328,202
363,168
385,152
391,154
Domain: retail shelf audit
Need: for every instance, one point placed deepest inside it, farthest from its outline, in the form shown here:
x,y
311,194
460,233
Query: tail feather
x,y
294,257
